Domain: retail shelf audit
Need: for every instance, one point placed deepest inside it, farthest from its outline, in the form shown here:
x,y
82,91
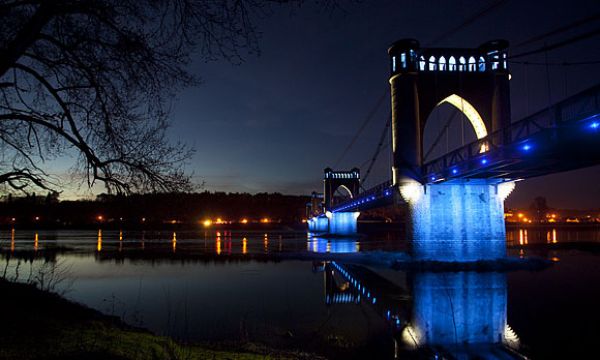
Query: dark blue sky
x,y
275,121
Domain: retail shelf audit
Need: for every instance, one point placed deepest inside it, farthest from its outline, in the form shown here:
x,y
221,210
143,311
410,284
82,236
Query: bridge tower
x,y
337,223
333,180
462,220
475,81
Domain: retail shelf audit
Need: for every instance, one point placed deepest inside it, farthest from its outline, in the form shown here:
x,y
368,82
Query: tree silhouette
x,y
96,77
539,208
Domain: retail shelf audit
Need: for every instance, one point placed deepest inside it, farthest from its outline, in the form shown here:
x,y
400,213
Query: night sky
x,y
275,121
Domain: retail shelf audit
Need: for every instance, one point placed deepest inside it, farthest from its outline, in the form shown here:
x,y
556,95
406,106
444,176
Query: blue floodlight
x,y
526,147
595,125
454,171
484,161
433,178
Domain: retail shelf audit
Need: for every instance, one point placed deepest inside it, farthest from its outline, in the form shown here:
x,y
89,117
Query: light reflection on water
x,y
223,285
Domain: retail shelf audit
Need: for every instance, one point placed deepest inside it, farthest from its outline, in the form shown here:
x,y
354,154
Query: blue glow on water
x,y
439,300
333,246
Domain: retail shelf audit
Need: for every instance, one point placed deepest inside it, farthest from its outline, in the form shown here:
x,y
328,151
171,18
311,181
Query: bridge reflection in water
x,y
455,315
334,246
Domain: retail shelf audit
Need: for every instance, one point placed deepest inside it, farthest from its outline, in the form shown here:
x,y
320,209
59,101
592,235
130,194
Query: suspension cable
x,y
564,63
559,30
362,127
379,147
559,44
468,21
441,133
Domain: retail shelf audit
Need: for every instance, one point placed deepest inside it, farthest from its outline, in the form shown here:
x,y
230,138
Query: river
x,y
295,291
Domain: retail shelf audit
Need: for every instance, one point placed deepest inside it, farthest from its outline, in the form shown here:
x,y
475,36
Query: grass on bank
x,y
42,325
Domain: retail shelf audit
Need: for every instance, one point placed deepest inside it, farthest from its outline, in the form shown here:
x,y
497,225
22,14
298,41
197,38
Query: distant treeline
x,y
153,209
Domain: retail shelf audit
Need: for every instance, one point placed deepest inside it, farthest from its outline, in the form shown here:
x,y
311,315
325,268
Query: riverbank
x,y
43,325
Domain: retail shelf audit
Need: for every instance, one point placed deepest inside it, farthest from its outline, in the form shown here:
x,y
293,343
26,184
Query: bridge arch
x,y
473,80
348,181
452,123
470,113
346,189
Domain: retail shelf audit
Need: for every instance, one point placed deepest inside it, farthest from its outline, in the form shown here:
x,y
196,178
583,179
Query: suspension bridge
x,y
456,201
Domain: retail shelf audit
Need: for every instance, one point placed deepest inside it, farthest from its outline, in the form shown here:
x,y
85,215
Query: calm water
x,y
292,291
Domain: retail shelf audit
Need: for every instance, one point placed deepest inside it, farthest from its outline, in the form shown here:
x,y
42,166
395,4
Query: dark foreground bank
x,y
43,325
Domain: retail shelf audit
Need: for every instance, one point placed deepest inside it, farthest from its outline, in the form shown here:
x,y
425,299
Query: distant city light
x,y
244,221
37,218
207,223
100,217
265,220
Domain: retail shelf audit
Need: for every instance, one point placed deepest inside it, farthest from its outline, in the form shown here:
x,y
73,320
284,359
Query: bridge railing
x,y
365,198
577,107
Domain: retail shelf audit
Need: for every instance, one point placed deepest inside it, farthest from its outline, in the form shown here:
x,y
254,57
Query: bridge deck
x,y
566,136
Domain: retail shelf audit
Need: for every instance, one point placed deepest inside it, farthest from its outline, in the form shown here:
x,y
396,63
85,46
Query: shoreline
x,y
44,325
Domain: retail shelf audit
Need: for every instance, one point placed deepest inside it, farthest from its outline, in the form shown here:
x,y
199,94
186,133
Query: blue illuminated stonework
x,y
337,223
343,223
319,224
458,222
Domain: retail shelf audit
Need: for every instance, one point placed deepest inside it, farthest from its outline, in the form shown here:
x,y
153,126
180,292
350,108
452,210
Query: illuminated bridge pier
x,y
456,202
457,221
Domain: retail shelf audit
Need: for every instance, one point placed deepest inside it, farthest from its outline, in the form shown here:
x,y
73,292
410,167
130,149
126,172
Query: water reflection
x,y
334,246
447,315
523,237
462,314
99,241
551,236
